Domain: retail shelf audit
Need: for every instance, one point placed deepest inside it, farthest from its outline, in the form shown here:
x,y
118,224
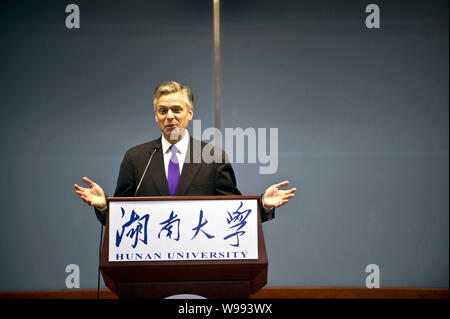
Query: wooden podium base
x,y
206,289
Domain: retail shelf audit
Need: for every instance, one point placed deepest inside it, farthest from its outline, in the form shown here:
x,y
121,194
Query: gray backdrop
x,y
362,116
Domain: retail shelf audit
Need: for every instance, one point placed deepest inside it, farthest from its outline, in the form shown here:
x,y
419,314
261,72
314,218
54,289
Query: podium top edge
x,y
165,198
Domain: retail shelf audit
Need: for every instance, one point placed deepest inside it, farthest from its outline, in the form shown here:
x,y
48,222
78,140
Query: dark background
x,y
362,118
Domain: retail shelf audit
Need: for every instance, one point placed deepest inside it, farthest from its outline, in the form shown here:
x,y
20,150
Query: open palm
x,y
274,196
93,195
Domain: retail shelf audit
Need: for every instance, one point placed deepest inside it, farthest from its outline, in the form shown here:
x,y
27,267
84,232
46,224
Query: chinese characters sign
x,y
175,230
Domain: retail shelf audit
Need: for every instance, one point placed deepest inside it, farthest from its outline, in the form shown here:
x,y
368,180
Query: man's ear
x,y
191,113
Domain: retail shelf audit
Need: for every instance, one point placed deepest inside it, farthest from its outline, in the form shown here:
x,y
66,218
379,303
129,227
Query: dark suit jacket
x,y
197,177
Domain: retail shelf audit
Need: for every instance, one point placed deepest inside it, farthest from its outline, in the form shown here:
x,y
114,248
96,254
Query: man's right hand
x,y
94,195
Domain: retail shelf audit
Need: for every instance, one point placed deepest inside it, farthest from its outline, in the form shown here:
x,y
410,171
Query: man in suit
x,y
172,165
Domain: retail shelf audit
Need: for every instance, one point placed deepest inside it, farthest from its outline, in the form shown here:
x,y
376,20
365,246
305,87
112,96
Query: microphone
x,y
156,148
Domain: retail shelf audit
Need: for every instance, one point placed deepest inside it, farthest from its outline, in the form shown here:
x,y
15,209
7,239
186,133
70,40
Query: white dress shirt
x,y
182,147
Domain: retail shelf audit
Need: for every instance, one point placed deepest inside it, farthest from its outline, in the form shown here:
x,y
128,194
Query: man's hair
x,y
173,87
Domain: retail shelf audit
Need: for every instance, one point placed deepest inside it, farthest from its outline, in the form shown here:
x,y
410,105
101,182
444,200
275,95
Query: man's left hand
x,y
274,196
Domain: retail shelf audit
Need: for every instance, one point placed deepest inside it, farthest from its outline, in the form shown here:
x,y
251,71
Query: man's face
x,y
172,115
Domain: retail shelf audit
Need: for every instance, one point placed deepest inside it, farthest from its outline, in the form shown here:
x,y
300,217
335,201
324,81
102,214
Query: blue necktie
x,y
173,173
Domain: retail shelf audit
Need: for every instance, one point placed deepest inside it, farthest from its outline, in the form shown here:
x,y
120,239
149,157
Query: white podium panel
x,y
176,230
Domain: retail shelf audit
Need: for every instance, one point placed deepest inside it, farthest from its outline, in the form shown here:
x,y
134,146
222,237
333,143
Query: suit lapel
x,y
190,168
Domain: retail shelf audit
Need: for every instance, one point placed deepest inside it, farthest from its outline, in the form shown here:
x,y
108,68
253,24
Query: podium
x,y
212,278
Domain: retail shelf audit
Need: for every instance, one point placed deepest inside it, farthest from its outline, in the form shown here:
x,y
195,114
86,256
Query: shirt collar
x,y
181,145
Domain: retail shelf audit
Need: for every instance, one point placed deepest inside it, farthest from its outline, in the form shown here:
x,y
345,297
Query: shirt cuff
x,y
103,210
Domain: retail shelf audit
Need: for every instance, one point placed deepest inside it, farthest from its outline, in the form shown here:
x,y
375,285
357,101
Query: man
x,y
172,166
